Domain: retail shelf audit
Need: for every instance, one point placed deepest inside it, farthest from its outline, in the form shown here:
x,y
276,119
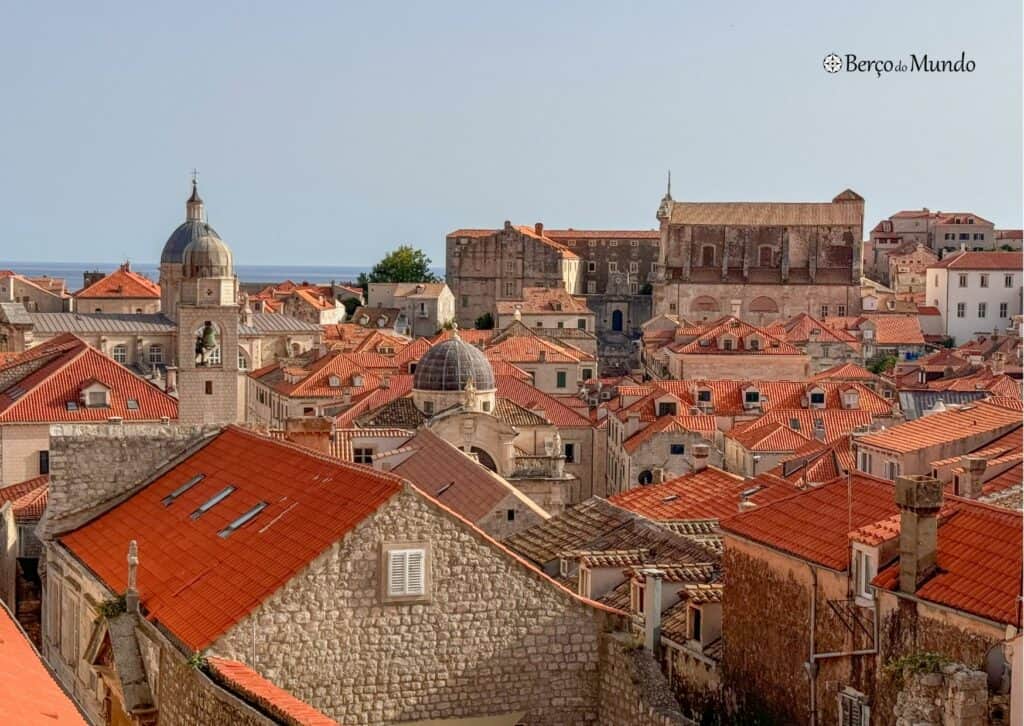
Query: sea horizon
x,y
72,272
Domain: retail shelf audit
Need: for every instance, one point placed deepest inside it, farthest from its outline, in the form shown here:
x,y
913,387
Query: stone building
x,y
483,266
313,306
35,294
777,258
907,266
122,291
417,613
428,306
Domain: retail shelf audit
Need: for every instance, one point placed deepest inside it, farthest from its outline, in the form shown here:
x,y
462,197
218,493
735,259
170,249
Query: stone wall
x,y
8,554
188,697
955,696
90,464
634,692
494,635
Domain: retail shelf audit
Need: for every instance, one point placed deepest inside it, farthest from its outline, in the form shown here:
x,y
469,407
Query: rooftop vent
x,y
169,499
212,502
238,523
670,498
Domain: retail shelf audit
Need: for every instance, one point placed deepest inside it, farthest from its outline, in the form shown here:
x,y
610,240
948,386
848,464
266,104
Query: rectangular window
x,y
818,398
560,378
591,287
963,280
362,455
852,710
752,397
209,388
588,373
1007,280
982,309
581,324
156,354
964,236
666,408
510,515
465,301
591,266
865,462
677,449
510,288
634,267
841,310
1002,310
984,280
695,623
406,572
704,396
69,626
892,470
44,462
961,310
570,453
613,266
824,311
96,399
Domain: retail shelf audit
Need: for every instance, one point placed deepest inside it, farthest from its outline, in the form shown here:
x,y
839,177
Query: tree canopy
x,y
404,264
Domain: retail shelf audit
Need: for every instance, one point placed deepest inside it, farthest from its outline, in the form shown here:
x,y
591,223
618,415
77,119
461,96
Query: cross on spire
x,y
195,176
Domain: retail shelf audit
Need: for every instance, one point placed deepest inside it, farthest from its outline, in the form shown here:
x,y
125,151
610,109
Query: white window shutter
x,y
415,562
396,573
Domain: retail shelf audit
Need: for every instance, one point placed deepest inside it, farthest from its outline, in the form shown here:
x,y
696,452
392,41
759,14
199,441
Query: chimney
x,y
313,433
131,593
171,385
998,363
652,608
658,475
538,229
919,499
542,355
91,278
701,452
819,431
970,482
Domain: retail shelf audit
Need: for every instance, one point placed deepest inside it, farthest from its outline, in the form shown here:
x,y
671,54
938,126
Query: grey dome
x,y
207,256
182,237
449,366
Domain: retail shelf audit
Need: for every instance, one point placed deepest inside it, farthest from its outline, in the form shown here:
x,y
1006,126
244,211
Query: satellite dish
x,y
998,670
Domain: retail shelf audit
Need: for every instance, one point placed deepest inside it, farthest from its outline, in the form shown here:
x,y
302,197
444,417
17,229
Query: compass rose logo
x,y
832,63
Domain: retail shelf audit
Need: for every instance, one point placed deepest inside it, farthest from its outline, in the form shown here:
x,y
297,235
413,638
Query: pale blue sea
x,y
72,271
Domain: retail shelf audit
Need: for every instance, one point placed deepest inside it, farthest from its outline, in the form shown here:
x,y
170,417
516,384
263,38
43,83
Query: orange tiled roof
x,y
814,524
42,392
314,299
836,422
544,300
468,335
846,372
980,261
768,436
253,687
979,563
317,376
897,329
768,214
523,394
816,462
946,426
529,348
397,387
669,424
29,694
122,283
707,494
28,498
803,328
706,343
199,584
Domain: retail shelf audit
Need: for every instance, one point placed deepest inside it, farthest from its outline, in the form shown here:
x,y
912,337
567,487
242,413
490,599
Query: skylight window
x,y
132,404
72,405
238,523
169,499
213,501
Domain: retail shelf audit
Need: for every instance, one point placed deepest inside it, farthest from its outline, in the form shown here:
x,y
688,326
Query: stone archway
x,y
484,458
763,304
704,304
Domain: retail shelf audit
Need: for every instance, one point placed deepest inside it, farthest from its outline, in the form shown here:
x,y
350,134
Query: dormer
x,y
95,394
851,398
334,381
667,405
815,397
357,381
751,397
754,342
727,341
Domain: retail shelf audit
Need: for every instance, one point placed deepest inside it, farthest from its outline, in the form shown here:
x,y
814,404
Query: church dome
x,y
207,256
450,365
189,231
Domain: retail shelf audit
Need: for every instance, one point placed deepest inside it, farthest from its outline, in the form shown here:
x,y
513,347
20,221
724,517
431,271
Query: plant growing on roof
x,y
197,660
111,607
912,663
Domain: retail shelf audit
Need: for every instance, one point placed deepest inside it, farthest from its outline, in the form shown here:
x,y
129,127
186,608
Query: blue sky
x,y
329,132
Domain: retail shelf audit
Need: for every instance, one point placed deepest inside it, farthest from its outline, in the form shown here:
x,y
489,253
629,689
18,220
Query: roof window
x,y
212,502
132,404
169,499
72,406
238,523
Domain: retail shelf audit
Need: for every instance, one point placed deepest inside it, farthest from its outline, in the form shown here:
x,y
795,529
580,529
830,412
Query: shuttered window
x,y
852,710
407,572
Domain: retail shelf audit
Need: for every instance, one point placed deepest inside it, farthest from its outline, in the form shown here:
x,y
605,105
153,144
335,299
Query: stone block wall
x,y
188,697
634,692
493,636
90,464
956,696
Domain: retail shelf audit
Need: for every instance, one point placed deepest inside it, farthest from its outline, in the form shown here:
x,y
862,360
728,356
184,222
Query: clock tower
x,y
207,320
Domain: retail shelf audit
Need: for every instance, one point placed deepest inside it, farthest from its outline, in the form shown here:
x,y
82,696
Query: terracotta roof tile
x,y
29,693
28,498
978,565
521,349
768,214
771,436
836,423
707,494
56,371
943,427
707,342
544,300
312,501
846,372
525,395
897,329
667,425
123,284
814,525
254,688
980,261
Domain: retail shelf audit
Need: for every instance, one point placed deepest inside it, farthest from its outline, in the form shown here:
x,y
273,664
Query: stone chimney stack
x,y
971,481
658,475
919,499
652,608
701,452
998,363
313,433
131,593
538,229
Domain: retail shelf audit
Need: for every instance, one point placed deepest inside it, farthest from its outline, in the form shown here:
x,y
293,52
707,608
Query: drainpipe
x,y
811,665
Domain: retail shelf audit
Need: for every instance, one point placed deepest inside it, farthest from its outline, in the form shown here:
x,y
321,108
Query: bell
x,y
209,336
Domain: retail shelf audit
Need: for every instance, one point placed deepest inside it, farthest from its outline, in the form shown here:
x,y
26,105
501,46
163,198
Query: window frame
x,y
386,561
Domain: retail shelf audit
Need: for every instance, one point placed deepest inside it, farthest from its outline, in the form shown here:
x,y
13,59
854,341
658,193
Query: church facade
x,y
758,260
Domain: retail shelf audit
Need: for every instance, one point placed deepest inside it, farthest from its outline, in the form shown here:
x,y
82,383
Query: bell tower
x,y
208,377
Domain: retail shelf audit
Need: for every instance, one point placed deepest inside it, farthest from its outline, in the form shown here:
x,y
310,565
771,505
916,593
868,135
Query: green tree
x,y
402,265
882,364
485,322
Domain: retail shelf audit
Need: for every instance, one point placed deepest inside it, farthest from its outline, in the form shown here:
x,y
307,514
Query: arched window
x,y
707,256
704,304
617,320
243,360
120,353
763,304
207,344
